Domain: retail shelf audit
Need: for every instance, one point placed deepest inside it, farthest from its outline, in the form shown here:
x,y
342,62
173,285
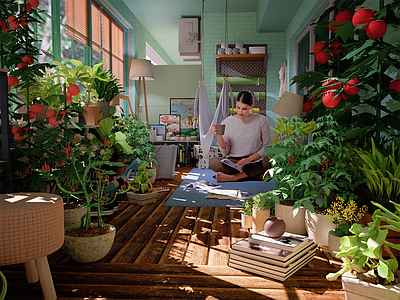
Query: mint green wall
x,y
169,82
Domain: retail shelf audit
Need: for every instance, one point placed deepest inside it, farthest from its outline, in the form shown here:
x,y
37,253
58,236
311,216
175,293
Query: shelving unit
x,y
5,163
186,154
241,57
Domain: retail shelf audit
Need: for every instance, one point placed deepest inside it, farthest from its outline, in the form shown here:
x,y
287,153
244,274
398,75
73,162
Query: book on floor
x,y
288,241
270,255
268,272
233,165
228,194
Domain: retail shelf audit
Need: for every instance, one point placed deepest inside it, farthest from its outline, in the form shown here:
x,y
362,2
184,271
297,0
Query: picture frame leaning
x,y
185,108
172,123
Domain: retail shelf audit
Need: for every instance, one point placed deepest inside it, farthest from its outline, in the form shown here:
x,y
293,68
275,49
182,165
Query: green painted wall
x,y
169,82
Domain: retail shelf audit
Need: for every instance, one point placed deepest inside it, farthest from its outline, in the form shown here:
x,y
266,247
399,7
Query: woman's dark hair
x,y
246,97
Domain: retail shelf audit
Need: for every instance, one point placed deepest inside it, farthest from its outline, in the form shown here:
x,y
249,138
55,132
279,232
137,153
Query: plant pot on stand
x,y
295,224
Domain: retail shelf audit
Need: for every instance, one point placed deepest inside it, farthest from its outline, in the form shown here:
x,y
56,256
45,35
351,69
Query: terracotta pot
x,y
294,225
318,227
259,218
247,221
356,289
92,115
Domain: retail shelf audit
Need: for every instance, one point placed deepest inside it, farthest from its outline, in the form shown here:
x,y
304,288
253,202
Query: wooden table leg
x,y
31,271
46,281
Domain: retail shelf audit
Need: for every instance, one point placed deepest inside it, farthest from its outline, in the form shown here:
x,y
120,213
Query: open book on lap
x,y
233,165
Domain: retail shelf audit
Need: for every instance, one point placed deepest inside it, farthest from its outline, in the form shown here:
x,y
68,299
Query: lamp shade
x,y
141,68
289,105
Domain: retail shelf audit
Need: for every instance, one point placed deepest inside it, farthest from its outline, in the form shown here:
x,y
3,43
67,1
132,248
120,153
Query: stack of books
x,y
276,258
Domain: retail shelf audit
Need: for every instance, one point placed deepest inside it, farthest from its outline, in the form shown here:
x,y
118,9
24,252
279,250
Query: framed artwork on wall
x,y
185,108
172,124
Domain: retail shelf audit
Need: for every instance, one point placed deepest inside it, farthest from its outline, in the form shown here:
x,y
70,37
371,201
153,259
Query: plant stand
x,y
356,289
294,225
142,199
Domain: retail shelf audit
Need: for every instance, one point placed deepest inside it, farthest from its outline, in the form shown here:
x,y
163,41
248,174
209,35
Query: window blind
x,y
77,21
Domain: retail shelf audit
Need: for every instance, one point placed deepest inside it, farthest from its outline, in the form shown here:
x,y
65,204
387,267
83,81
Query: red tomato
x,y
330,99
36,109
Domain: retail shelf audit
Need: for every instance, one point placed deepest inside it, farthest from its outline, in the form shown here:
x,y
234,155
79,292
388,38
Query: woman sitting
x,y
246,134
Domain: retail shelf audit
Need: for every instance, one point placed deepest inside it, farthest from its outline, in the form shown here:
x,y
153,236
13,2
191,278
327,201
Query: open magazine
x,y
231,164
228,194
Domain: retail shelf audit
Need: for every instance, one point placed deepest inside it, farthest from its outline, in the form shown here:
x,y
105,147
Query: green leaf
x,y
358,50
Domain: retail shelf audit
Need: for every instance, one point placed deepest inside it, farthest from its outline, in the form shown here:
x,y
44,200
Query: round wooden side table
x,y
32,227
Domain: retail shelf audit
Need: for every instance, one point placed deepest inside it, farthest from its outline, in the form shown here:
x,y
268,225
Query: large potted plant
x,y
366,274
142,189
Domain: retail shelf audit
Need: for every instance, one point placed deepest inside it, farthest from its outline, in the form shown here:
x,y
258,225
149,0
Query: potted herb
x,y
261,210
366,272
142,189
343,214
247,214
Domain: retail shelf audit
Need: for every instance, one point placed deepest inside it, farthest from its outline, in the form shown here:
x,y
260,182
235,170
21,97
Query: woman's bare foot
x,y
222,177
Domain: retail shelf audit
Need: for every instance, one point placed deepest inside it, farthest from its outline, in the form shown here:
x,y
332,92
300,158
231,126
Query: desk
x,y
32,227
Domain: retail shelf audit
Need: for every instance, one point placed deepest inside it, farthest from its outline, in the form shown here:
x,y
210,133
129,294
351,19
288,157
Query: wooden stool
x,y
32,227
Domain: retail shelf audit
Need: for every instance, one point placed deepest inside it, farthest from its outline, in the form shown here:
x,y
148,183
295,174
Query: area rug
x,y
192,197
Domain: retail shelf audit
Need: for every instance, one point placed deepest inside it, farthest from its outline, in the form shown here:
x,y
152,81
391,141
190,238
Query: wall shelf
x,y
241,57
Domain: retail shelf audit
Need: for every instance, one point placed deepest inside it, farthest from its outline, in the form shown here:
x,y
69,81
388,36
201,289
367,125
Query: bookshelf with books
x,y
186,155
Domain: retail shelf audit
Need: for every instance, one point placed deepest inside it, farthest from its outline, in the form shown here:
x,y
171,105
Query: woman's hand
x,y
213,129
244,161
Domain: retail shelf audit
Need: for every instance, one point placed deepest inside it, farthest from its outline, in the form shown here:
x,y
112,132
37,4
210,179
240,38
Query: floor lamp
x,y
141,70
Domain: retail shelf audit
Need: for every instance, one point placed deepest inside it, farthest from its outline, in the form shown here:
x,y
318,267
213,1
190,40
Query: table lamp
x,y
289,105
141,70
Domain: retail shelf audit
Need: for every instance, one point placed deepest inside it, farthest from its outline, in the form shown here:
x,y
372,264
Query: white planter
x,y
142,199
333,243
259,218
89,249
356,289
294,225
247,221
318,227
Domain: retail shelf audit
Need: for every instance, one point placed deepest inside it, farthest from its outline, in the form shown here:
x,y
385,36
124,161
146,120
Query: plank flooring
x,y
174,253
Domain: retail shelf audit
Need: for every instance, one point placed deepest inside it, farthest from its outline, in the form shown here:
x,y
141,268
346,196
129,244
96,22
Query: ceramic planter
x,y
92,115
294,225
142,199
72,216
333,243
356,289
89,249
318,227
247,221
259,218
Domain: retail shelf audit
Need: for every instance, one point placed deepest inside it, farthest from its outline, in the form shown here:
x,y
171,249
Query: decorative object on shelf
x,y
141,70
235,50
172,123
224,45
257,50
221,50
239,45
274,227
243,50
228,51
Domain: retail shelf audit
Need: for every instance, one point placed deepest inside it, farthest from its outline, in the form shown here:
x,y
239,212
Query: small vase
x,y
259,218
274,227
247,221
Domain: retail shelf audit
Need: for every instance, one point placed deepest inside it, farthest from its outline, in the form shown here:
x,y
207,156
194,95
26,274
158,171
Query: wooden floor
x,y
174,253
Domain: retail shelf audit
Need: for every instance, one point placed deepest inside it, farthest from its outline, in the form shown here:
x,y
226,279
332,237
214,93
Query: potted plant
x,y
91,182
343,214
106,91
247,214
142,189
366,272
261,210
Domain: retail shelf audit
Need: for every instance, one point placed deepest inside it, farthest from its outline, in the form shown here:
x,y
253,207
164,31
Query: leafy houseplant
x,y
247,214
365,247
142,189
262,208
107,90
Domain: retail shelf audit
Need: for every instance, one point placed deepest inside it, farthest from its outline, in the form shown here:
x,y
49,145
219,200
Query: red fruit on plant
x,y
36,109
335,45
344,16
4,26
322,57
73,89
307,107
376,29
31,115
17,136
13,23
330,99
63,114
23,22
21,65
51,113
395,85
349,87
34,3
12,81
53,121
28,7
318,47
69,97
332,27
331,84
15,129
362,16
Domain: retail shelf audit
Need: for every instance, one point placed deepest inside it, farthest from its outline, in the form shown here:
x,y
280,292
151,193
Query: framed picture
x,y
172,124
161,129
185,108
